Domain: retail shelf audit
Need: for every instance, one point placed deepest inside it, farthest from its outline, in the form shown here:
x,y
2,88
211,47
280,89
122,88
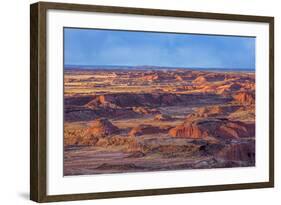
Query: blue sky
x,y
128,48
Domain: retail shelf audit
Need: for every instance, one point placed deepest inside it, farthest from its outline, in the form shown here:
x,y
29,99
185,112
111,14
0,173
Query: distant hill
x,y
151,67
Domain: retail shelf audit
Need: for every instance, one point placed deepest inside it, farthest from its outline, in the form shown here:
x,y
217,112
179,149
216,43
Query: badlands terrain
x,y
148,119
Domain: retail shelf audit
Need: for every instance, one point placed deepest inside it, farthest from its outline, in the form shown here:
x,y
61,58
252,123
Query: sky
x,y
135,48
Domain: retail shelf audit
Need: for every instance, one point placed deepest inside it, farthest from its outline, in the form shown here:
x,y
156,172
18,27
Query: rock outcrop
x,y
231,87
200,80
152,77
128,105
102,128
246,98
213,127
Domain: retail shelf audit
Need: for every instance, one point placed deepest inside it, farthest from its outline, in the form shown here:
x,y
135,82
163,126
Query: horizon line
x,y
155,66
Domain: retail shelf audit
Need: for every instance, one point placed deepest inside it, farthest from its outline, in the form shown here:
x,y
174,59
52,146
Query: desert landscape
x,y
145,118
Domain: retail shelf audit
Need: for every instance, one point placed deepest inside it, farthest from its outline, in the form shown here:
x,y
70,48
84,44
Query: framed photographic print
x,y
134,102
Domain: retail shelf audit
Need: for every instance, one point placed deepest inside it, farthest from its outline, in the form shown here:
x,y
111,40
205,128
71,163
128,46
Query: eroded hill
x,y
151,120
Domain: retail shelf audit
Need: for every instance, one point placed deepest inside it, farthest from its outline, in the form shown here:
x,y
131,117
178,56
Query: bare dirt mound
x,y
213,127
200,80
228,88
101,101
245,113
247,98
129,105
213,77
212,111
178,78
146,129
101,128
163,117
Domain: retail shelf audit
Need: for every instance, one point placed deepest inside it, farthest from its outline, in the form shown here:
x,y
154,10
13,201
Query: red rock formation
x,y
213,127
249,86
101,99
209,88
146,99
246,98
178,78
188,130
101,128
121,104
229,88
213,77
200,80
152,77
